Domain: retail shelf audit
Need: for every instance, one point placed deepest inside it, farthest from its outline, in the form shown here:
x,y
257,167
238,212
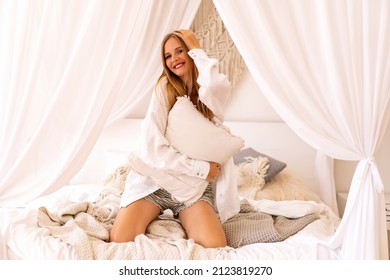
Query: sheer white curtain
x,y
325,67
63,66
145,65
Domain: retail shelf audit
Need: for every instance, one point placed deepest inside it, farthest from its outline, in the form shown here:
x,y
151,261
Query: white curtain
x,y
144,55
325,67
65,66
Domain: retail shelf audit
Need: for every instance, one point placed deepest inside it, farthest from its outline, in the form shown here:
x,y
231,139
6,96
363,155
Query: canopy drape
x,y
67,68
325,68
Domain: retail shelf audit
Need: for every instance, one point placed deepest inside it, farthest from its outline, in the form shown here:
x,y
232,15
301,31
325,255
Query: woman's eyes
x,y
179,51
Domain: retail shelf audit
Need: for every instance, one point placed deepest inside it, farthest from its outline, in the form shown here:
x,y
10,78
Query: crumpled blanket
x,y
81,223
86,226
250,226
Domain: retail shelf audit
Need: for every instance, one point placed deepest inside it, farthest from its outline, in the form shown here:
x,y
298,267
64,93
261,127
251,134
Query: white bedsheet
x,y
21,238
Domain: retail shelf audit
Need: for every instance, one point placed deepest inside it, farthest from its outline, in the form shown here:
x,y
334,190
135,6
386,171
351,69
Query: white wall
x,y
248,104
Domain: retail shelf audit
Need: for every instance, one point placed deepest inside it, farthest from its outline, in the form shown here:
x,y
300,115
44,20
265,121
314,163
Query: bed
x,y
74,222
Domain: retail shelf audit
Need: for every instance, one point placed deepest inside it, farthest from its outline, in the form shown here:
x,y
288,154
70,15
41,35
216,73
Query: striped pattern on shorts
x,y
163,199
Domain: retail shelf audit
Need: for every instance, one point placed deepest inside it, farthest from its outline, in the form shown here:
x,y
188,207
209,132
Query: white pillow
x,y
286,186
251,177
192,134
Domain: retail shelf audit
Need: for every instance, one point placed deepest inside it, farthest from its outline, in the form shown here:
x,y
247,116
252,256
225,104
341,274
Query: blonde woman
x,y
187,71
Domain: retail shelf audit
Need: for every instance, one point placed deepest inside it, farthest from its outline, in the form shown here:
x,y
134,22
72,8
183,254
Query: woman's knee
x,y
212,241
132,221
122,229
214,238
120,236
202,224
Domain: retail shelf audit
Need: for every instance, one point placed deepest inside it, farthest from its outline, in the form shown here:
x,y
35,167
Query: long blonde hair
x,y
176,87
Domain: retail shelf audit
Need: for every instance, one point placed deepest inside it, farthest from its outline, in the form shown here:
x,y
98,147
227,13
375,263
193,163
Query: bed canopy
x,y
71,67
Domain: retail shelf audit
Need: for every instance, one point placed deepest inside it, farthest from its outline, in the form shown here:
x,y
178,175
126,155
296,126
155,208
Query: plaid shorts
x,y
163,199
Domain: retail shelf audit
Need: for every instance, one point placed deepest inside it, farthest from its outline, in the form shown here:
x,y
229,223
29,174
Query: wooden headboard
x,y
275,139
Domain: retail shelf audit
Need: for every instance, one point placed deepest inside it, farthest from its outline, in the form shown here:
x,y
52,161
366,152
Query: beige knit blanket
x,y
250,226
86,226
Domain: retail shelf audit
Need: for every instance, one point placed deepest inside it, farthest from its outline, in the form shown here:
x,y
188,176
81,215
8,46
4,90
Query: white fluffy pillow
x,y
192,134
251,176
284,186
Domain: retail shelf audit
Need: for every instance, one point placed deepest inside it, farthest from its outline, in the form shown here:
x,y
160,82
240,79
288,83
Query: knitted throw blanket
x,y
250,226
86,226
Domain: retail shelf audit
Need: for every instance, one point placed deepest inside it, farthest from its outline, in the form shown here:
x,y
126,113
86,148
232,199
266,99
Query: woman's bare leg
x,y
202,224
133,220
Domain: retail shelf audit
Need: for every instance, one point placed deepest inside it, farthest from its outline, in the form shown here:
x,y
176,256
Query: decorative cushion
x,y
275,166
192,134
250,177
286,186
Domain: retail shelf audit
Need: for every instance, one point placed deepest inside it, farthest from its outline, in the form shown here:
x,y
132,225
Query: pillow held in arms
x,y
275,166
192,134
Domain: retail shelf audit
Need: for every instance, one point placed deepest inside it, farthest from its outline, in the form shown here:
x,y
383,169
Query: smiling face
x,y
176,57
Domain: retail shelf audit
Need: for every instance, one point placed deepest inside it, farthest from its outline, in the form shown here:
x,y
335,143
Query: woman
x,y
187,72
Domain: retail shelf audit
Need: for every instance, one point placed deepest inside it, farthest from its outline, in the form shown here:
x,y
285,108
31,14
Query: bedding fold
x,y
250,226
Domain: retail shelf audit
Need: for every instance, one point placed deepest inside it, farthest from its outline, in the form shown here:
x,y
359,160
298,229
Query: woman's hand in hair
x,y
215,169
189,38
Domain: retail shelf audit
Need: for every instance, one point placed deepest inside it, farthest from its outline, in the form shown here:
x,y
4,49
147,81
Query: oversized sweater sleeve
x,y
215,87
155,150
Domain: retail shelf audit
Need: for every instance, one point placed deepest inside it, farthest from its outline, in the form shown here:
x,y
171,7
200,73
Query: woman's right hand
x,y
215,170
189,38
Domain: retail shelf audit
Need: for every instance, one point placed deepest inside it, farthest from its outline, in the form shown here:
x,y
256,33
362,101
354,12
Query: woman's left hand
x,y
215,170
189,38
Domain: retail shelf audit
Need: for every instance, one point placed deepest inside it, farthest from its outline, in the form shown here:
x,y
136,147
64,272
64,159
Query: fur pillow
x,y
192,134
250,176
284,186
275,166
